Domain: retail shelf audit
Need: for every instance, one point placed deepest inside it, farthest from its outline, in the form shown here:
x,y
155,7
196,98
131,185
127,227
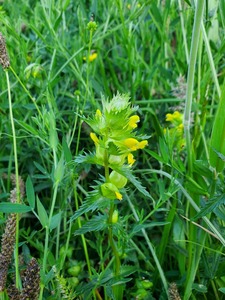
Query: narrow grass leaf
x,y
55,221
6,207
30,192
42,214
210,206
217,144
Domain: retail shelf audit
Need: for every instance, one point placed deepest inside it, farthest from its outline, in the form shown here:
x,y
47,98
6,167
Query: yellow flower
x,y
133,120
118,196
94,138
130,159
142,144
91,57
176,117
134,145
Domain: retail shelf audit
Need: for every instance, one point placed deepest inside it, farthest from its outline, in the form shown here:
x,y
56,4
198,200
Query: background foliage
x,y
143,49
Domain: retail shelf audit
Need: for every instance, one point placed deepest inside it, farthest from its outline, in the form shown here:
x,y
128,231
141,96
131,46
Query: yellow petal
x,y
118,196
133,120
142,144
131,143
94,138
93,56
130,159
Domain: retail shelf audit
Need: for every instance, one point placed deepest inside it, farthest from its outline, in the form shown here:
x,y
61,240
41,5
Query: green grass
x,y
174,231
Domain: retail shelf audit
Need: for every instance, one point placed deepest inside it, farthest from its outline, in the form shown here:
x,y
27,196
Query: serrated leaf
x,y
95,224
7,207
42,214
93,202
55,221
210,206
89,159
30,192
127,172
139,227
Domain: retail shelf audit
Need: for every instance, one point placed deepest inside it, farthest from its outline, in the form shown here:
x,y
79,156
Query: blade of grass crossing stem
x,y
217,145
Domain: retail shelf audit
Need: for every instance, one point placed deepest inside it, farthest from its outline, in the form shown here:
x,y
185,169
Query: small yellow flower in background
x,y
133,121
94,138
175,133
175,118
91,57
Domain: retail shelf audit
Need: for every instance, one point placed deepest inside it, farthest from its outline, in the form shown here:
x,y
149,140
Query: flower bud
x,y
117,179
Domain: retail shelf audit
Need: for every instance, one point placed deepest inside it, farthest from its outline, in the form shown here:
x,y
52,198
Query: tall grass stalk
x,y
190,81
16,255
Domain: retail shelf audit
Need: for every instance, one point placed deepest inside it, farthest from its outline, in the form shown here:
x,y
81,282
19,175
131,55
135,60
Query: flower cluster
x,y
176,132
115,141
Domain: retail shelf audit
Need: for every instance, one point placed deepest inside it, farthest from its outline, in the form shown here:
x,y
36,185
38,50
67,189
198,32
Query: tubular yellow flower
x,y
94,138
130,159
118,196
134,145
133,120
131,143
142,144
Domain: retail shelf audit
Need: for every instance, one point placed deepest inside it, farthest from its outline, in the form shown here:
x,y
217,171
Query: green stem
x,y
83,237
152,250
17,181
27,92
190,80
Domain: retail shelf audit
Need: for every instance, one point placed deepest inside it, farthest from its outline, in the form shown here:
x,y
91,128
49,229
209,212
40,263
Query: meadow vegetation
x,y
112,149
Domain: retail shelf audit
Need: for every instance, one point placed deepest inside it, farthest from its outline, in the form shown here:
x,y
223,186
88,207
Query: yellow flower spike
x,y
94,138
118,196
98,113
130,159
133,120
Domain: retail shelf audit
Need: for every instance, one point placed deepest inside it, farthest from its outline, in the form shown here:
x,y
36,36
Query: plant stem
x,y
190,81
18,284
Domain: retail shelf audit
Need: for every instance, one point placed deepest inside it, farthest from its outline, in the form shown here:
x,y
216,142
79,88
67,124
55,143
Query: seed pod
x,y
4,58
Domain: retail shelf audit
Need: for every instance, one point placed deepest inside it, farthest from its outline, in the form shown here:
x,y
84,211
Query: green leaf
x,y
210,206
41,169
93,202
95,224
7,207
222,290
127,172
30,192
55,221
139,227
66,150
42,214
218,136
28,128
